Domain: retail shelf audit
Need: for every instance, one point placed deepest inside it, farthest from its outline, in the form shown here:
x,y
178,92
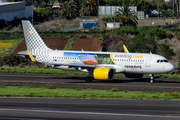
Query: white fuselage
x,y
140,63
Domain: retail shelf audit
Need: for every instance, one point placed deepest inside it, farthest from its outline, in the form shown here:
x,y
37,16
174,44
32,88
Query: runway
x,y
77,81
88,109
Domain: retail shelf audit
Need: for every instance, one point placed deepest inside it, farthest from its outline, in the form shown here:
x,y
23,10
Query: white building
x,y
10,10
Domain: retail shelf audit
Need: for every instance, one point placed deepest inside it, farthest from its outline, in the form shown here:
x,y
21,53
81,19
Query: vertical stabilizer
x,y
34,43
32,38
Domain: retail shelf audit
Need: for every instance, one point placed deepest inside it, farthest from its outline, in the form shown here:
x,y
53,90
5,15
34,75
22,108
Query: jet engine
x,y
133,75
103,73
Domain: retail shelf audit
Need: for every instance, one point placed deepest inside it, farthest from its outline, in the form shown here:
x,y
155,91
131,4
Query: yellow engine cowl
x,y
103,74
133,75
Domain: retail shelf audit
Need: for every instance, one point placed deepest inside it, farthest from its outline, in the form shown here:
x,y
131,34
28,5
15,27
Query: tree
x,y
49,3
38,3
117,2
69,10
142,5
140,43
177,7
126,16
89,8
45,12
102,2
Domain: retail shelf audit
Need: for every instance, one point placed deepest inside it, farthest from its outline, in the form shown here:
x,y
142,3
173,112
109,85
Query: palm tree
x,y
126,16
69,10
89,7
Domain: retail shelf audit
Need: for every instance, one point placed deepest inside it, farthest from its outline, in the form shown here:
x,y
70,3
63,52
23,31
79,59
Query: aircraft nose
x,y
170,67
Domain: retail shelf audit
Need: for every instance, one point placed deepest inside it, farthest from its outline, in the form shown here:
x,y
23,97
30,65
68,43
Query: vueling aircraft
x,y
99,65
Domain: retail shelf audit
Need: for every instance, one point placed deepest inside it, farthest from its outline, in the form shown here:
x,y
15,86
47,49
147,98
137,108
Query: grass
x,y
69,44
40,71
83,93
9,45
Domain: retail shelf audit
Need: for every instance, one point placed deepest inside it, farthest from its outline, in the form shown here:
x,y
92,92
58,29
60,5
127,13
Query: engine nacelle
x,y
103,73
133,75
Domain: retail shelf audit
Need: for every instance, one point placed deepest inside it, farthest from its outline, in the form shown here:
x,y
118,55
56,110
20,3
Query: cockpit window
x,y
165,61
161,61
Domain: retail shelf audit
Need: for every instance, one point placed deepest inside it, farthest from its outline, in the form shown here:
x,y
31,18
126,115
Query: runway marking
x,y
90,113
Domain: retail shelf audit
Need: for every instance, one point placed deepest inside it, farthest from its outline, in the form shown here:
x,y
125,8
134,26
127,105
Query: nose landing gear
x,y
151,78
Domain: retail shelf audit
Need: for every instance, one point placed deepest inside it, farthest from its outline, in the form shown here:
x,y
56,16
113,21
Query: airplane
x,y
99,65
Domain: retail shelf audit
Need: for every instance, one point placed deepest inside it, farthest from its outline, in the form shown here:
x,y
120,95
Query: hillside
x,y
87,44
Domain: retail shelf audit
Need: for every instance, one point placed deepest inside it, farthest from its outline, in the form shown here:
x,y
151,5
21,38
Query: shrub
x,y
154,32
141,44
127,30
164,50
46,12
11,60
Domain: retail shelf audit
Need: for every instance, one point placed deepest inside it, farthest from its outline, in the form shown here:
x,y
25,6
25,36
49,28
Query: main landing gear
x,y
90,77
151,78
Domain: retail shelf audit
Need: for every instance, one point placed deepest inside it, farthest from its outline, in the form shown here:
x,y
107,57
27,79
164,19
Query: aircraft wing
x,y
74,65
82,66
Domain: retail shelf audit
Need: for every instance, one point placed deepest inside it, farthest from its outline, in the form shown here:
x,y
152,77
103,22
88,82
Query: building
x,y
11,10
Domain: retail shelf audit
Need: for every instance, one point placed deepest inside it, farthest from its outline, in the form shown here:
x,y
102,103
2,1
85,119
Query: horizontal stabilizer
x,y
30,55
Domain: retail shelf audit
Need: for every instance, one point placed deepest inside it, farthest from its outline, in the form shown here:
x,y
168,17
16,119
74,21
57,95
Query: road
x,y
88,109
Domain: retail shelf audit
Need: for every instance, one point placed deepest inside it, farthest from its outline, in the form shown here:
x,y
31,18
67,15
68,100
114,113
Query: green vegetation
x,y
69,44
126,16
142,39
46,12
83,93
7,46
40,71
89,8
69,10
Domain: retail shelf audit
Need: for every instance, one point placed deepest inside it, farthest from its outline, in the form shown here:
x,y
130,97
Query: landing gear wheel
x,y
151,81
151,78
89,79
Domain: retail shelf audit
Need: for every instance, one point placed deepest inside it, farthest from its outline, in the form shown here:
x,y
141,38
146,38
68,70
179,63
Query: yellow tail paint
x,y
31,57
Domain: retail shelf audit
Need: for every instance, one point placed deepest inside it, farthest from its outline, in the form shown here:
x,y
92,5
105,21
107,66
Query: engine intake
x,y
103,74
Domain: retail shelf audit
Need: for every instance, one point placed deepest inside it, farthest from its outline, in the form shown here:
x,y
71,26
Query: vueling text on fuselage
x,y
128,56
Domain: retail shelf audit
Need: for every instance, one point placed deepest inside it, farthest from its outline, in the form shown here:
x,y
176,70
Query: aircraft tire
x,y
89,79
151,81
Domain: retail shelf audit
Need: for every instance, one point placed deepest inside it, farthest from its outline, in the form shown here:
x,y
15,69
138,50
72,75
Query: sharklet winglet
x,y
125,49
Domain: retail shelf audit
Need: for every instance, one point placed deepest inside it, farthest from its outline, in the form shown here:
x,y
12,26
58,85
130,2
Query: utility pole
x,y
173,9
158,9
177,6
32,4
